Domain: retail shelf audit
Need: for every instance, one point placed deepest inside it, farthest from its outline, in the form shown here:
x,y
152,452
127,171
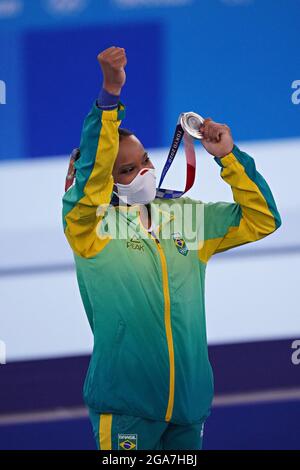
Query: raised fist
x,y
113,61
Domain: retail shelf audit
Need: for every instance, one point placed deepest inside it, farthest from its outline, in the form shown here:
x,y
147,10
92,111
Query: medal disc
x,y
191,122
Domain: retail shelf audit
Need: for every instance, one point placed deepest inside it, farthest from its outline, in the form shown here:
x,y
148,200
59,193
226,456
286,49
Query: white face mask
x,y
141,190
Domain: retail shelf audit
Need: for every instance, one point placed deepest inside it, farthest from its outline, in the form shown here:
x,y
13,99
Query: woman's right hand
x,y
113,61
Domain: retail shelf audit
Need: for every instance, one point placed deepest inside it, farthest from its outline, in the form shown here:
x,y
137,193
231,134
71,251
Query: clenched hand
x,y
217,138
112,62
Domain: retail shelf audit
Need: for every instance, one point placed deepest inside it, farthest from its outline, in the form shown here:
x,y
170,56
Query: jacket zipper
x,y
168,328
167,312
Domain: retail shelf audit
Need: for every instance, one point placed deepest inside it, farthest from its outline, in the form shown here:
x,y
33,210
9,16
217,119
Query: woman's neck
x,y
145,215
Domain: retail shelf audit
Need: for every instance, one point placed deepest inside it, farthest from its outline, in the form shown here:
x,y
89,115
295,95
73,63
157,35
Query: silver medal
x,y
190,123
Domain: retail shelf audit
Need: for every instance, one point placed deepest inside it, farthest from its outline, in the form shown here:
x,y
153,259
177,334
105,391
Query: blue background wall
x,y
62,78
234,60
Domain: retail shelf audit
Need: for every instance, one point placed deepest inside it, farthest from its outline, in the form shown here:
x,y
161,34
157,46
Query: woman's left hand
x,y
217,138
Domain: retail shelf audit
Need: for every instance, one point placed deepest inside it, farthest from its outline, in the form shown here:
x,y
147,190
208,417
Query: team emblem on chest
x,y
180,243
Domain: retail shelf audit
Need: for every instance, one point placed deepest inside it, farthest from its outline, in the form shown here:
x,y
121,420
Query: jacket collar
x,y
132,213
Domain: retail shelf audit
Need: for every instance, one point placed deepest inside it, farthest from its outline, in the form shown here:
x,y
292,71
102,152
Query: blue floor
x,y
263,426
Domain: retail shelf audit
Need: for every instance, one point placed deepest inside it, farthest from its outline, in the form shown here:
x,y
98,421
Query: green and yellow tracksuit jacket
x,y
144,296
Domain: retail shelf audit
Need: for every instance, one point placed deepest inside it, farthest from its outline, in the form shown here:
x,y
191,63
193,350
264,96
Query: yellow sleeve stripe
x,y
259,213
246,192
82,219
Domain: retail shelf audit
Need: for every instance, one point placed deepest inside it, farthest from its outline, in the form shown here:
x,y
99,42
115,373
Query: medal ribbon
x,y
190,163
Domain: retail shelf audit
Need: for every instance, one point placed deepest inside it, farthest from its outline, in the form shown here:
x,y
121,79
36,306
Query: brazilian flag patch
x,y
180,243
127,441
